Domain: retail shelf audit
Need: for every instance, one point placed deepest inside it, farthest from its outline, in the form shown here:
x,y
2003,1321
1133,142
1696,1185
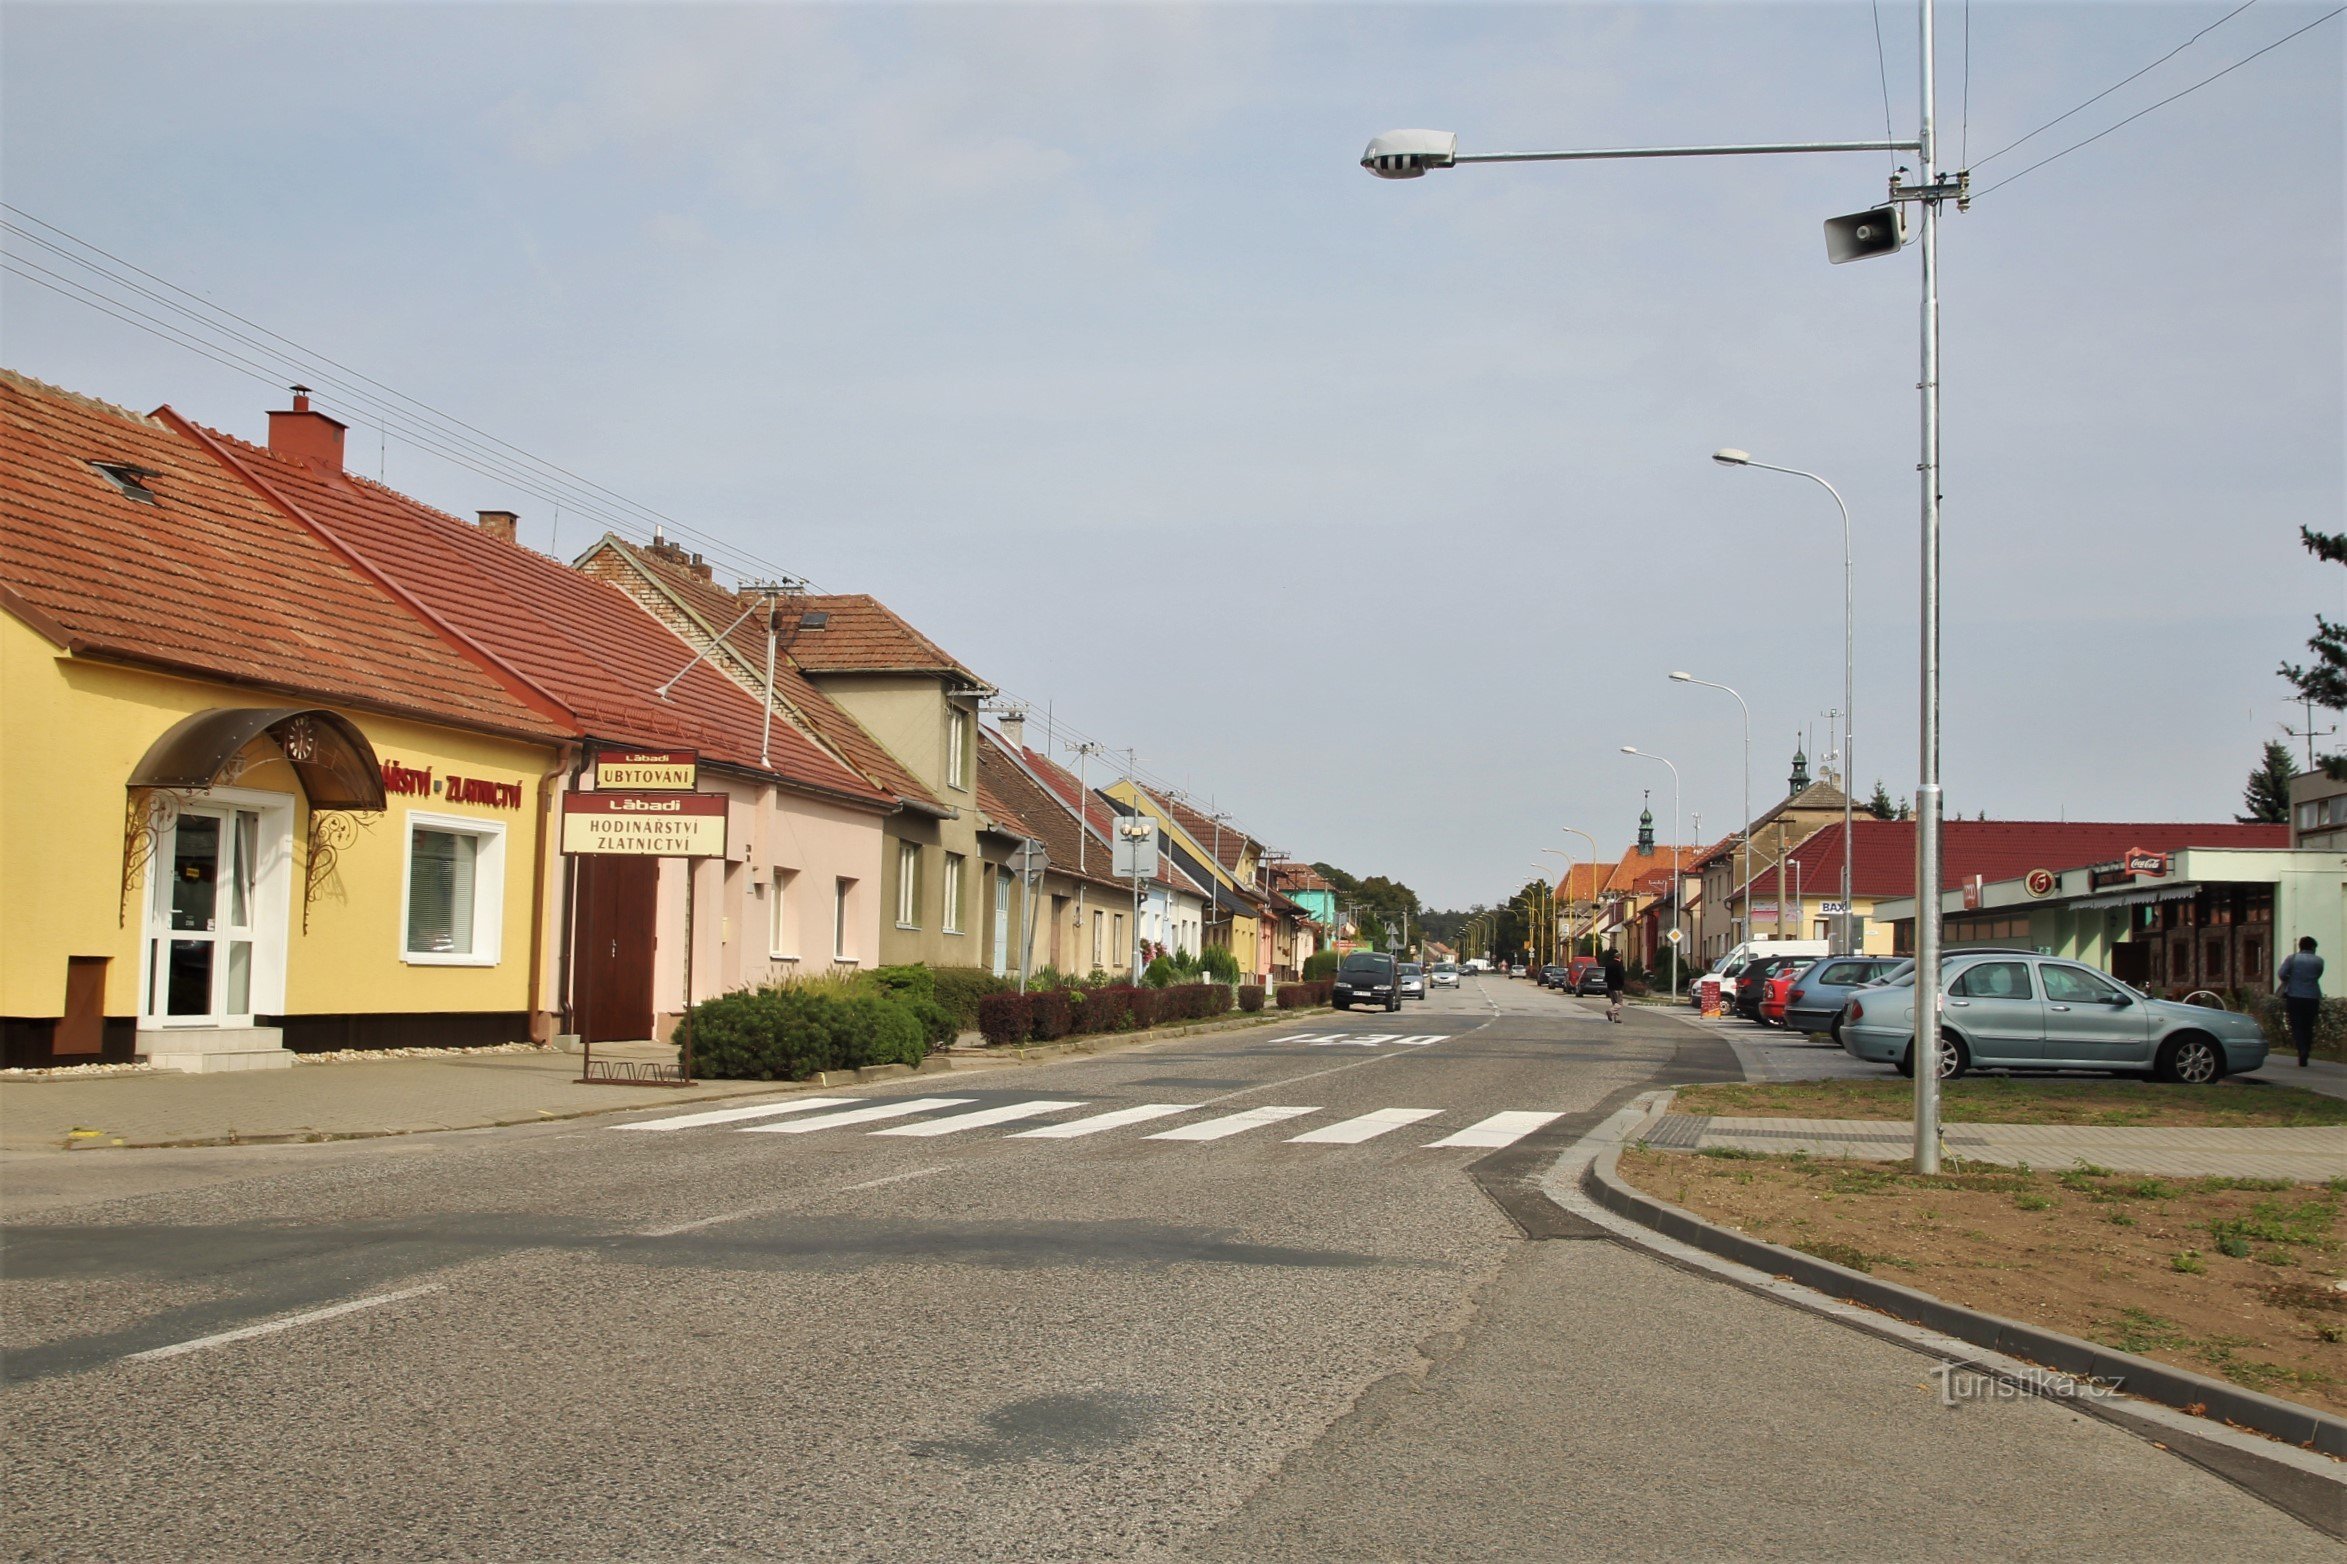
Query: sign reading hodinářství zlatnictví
x,y
663,825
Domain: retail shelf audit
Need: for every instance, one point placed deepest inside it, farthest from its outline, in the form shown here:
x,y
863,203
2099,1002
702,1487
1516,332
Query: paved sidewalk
x,y
323,1101
2305,1155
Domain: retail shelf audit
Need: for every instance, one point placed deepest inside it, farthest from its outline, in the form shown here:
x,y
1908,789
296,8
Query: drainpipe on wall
x,y
569,903
539,871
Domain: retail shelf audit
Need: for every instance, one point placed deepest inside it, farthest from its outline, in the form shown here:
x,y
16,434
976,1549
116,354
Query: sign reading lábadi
x,y
647,771
660,825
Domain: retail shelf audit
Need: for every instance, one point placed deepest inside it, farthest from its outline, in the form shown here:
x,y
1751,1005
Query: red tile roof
x,y
1046,816
1229,845
1647,874
1883,856
1583,882
716,608
584,643
1064,786
210,579
863,636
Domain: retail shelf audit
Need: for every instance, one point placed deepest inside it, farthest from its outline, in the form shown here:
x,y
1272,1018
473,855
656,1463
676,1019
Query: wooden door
x,y
82,1029
618,903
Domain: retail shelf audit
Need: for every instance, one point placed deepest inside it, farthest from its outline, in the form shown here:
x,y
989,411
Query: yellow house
x,y
250,802
1223,858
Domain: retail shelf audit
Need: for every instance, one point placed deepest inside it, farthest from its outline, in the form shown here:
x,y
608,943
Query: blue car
x,y
1815,1003
2008,1011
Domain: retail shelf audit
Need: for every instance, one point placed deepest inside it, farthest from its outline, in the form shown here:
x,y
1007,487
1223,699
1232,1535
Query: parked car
x,y
1411,978
2011,1011
1731,966
1752,981
1772,999
1553,975
1814,1001
1444,975
1366,977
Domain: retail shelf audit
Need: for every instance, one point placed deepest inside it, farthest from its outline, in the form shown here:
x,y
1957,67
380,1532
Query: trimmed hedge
x,y
784,1034
1050,1015
1250,997
1006,1020
1321,964
1302,996
962,989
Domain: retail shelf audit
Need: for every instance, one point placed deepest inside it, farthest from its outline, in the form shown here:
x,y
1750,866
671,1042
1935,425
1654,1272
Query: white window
x,y
842,894
957,747
452,911
908,885
953,893
781,942
2310,814
1124,951
1099,936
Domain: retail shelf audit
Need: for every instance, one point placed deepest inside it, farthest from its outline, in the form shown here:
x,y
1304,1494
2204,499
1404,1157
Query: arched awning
x,y
331,758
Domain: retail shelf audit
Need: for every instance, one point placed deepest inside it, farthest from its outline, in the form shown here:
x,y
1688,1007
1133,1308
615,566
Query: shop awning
x,y
331,758
2135,898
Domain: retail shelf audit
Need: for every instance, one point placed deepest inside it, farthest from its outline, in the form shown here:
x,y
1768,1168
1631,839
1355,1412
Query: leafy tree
x,y
1880,806
2267,798
2324,681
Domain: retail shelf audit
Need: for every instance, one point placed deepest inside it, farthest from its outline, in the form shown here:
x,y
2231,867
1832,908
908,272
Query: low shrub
x,y
1250,997
960,989
1320,965
1160,973
1147,1008
1302,996
1108,1008
1049,1015
789,1031
2330,1026
911,980
1006,1020
1218,963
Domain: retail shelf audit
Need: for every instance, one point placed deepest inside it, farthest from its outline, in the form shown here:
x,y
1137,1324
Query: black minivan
x,y
1367,977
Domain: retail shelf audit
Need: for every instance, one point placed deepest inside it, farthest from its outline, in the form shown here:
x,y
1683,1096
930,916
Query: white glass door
x,y
1002,924
200,919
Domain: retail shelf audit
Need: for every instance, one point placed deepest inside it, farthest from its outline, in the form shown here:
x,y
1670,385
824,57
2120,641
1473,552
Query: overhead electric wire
x,y
429,429
1882,70
2164,102
2115,86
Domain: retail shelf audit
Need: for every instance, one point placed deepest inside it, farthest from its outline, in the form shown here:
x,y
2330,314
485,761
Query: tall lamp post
x,y
1677,890
1559,944
1408,154
1744,836
1586,837
1735,458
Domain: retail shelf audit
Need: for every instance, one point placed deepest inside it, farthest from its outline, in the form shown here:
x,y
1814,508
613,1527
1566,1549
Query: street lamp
x,y
1554,921
1677,891
1735,458
1408,154
1745,835
1586,837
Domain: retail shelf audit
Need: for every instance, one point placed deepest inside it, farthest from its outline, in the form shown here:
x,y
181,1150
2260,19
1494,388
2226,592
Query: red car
x,y
1773,999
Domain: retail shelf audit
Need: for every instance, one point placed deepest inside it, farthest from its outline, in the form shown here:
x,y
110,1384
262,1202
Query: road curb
x,y
2291,1460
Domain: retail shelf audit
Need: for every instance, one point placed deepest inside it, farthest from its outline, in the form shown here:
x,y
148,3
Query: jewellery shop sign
x,y
658,825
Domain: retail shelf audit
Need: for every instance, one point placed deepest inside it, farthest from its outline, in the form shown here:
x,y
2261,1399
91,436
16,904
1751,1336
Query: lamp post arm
x,y
1763,149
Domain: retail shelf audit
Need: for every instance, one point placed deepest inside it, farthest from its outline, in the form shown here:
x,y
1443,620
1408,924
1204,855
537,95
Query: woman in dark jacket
x,y
1617,984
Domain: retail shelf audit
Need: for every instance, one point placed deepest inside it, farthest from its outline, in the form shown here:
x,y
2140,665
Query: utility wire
x,y
426,427
1882,71
2114,87
2164,102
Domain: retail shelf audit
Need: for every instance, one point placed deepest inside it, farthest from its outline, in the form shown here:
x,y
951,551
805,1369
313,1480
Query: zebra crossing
x,y
931,1117
1366,1039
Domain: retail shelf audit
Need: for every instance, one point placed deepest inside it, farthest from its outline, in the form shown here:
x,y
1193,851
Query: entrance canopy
x,y
331,758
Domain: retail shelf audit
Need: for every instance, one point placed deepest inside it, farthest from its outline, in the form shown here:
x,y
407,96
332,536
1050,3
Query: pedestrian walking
x,y
1617,984
2301,983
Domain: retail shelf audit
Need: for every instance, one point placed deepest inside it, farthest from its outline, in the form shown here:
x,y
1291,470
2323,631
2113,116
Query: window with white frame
x,y
781,940
957,747
842,897
453,904
953,893
1099,936
908,885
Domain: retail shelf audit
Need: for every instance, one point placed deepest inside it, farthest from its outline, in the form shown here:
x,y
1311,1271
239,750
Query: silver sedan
x,y
2008,1011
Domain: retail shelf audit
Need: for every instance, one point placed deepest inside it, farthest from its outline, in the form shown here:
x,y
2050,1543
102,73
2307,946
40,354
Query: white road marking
x,y
1367,1127
764,1110
761,1210
1230,1124
1420,1042
274,1326
1501,1129
983,1117
1114,1119
893,1178
1343,1041
876,1112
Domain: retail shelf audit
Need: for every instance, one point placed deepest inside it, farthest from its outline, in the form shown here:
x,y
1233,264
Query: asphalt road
x,y
744,1339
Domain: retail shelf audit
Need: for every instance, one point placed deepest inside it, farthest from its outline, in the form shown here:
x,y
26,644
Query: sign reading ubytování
x,y
647,771
661,825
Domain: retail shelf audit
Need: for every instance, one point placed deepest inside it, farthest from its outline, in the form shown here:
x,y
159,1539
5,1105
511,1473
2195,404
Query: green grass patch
x,y
2138,1330
1991,1099
2033,1202
2188,1261
2312,1221
1848,1256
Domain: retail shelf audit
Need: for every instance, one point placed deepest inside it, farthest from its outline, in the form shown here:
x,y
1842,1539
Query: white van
x,y
1726,968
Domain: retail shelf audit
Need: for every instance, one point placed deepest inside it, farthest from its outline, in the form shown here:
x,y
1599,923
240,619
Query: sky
x,y
1375,512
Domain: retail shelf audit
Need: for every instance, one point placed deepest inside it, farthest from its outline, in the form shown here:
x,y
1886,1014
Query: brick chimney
x,y
306,436
499,524
702,568
1014,728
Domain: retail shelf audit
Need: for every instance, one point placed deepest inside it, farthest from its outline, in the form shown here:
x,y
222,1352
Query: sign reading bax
x,y
665,825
